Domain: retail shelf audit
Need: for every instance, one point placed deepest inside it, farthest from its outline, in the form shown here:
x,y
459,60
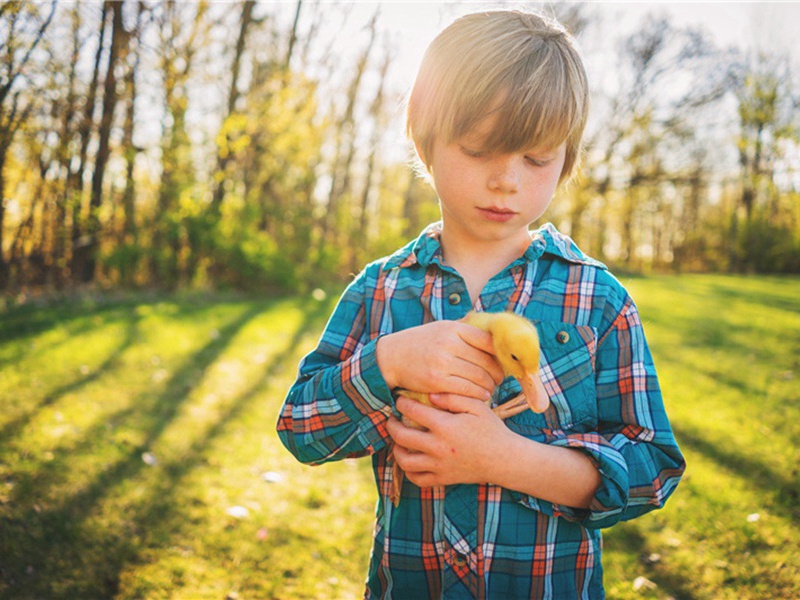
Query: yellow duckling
x,y
516,345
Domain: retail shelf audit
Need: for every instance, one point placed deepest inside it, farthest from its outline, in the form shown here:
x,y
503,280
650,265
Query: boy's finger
x,y
477,338
463,385
482,352
410,460
456,403
426,416
486,368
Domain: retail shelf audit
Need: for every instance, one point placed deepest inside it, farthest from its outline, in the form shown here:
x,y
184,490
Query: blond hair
x,y
520,67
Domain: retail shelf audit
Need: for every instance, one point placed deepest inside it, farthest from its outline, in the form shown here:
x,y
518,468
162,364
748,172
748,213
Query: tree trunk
x,y
292,37
11,117
233,96
74,189
3,263
61,234
376,111
90,249
346,145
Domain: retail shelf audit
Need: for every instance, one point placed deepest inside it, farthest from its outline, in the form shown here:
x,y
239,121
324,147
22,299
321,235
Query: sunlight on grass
x,y
727,352
138,457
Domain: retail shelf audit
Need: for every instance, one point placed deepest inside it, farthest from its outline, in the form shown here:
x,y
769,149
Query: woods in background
x,y
195,144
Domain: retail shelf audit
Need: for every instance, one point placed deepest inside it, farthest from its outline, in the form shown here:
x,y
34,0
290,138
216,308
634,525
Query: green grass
x,y
128,429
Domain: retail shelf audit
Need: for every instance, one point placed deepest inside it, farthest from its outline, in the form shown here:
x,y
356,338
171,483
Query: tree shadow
x,y
76,319
785,487
12,428
765,296
628,539
153,414
58,535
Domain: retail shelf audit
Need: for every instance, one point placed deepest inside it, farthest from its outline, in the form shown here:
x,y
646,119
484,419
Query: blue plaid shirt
x,y
485,541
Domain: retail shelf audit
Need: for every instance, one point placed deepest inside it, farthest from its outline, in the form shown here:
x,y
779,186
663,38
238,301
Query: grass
x,y
129,429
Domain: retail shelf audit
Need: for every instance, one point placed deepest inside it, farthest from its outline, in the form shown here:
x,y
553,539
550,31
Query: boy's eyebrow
x,y
479,134
485,133
477,141
543,152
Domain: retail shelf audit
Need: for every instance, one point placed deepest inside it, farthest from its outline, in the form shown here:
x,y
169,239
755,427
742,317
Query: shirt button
x,y
460,560
562,337
454,299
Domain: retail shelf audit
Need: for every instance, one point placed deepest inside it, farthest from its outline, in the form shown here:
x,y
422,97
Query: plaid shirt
x,y
484,541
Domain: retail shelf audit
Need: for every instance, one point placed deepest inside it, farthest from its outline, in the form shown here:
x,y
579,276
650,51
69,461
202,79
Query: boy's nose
x,y
504,176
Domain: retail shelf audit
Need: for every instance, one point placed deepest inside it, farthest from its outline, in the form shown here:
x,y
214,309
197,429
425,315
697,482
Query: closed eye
x,y
536,162
514,357
472,153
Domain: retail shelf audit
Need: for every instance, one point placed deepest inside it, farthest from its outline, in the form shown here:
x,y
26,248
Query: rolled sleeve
x,y
611,497
633,446
339,405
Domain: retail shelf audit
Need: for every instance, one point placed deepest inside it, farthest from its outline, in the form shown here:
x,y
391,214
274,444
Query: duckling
x,y
516,345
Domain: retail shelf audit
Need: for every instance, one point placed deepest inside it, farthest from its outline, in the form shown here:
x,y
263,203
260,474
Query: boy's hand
x,y
463,441
442,357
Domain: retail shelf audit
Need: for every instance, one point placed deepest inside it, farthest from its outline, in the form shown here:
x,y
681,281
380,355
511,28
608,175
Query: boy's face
x,y
492,197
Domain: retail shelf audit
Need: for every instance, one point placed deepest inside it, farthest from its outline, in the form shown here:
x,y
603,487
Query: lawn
x,y
138,457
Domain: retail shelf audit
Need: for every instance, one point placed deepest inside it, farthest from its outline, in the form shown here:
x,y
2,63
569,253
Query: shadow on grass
x,y
159,410
43,550
627,538
80,317
765,296
784,486
75,318
14,427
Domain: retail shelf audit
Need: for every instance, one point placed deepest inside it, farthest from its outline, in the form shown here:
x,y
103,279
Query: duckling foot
x,y
513,407
398,475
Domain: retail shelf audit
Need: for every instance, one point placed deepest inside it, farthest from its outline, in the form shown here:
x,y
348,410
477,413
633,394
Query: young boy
x,y
490,508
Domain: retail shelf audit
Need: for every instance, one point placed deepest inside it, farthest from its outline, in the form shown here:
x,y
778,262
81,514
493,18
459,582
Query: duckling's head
x,y
516,345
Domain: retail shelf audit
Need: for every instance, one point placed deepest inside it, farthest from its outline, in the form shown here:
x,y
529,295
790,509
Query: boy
x,y
490,508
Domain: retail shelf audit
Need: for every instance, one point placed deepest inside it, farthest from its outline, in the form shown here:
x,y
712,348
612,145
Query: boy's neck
x,y
478,262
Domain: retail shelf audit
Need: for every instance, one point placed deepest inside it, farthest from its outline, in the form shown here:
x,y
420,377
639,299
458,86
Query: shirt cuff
x,y
611,496
370,399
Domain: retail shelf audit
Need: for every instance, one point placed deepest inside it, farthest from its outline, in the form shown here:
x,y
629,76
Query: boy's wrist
x,y
383,352
503,473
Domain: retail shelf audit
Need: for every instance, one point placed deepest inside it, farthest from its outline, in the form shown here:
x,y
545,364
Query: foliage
x,y
124,163
763,246
131,426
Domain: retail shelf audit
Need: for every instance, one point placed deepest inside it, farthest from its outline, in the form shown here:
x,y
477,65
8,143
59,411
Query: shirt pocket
x,y
567,368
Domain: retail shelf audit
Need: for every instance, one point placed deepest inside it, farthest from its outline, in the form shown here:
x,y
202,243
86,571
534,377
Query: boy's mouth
x,y
495,213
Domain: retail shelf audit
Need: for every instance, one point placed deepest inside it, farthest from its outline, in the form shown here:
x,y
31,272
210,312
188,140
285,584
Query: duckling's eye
x,y
514,357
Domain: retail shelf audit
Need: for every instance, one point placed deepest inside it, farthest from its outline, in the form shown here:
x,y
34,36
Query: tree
x,y
223,156
86,254
182,32
668,77
346,135
24,26
768,126
377,116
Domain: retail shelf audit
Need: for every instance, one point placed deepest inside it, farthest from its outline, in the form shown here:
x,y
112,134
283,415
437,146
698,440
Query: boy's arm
x,y
338,406
465,442
634,448
629,466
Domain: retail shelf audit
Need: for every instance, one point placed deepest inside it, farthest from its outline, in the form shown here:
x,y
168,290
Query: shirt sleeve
x,y
339,404
634,448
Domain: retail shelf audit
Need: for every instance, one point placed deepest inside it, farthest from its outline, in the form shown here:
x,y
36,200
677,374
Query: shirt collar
x,y
419,251
562,246
545,240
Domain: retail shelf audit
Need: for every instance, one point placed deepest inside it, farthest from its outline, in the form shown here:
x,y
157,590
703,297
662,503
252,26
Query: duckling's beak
x,y
534,392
